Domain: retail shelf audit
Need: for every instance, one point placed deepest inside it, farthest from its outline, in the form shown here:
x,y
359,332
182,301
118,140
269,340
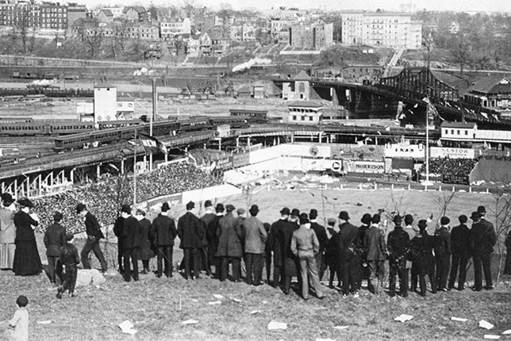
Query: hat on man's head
x,y
57,216
80,207
408,219
190,205
219,208
366,219
229,208
463,219
313,214
481,210
254,209
375,219
165,207
475,216
240,211
398,219
295,212
344,215
208,203
7,199
423,223
445,221
331,221
304,219
126,209
285,211
25,202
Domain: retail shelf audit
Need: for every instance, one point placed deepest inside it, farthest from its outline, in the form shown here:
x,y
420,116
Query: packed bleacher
x,y
454,171
105,197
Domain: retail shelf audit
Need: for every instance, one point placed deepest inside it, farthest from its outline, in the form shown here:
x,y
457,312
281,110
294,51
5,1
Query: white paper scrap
x,y
341,327
218,297
274,325
190,321
459,319
44,322
253,312
403,318
127,327
491,337
486,325
215,302
320,339
506,332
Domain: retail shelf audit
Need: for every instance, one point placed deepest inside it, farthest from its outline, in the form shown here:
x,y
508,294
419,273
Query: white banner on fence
x,y
452,153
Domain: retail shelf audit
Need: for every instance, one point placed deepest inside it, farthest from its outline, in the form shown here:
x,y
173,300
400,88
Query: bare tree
x,y
444,201
462,52
92,36
502,213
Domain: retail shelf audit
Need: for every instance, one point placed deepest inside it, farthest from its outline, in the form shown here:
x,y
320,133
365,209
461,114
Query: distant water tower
x,y
105,103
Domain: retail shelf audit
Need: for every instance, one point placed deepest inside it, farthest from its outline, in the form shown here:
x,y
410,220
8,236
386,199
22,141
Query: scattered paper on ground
x,y
459,319
341,327
491,337
319,339
506,332
255,312
127,327
274,325
44,322
485,324
218,297
403,318
237,300
215,302
190,321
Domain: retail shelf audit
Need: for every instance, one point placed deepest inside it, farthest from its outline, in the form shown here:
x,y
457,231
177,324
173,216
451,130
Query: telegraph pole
x,y
135,170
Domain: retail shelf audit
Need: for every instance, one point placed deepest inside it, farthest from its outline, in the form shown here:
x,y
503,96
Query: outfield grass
x,y
158,306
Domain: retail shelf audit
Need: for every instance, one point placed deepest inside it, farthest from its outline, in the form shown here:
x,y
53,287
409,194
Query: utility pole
x,y
135,170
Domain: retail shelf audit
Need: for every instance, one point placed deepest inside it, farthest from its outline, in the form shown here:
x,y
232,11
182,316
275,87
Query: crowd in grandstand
x,y
104,197
451,170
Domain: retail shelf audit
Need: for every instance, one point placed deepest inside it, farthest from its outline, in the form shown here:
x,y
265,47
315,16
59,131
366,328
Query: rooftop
x,y
494,84
464,125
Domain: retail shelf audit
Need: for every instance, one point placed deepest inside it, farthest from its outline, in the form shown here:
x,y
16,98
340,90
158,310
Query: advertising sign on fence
x,y
452,153
374,167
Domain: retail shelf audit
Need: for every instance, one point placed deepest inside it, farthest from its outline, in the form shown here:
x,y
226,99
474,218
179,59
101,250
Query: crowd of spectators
x,y
451,170
104,198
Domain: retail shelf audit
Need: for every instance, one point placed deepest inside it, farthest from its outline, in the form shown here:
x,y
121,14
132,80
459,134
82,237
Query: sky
x,y
456,5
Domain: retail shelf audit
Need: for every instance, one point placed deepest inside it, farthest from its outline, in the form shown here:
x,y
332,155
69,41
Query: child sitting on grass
x,y
69,259
19,322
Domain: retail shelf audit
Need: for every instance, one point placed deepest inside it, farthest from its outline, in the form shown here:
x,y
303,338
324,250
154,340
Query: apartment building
x,y
388,29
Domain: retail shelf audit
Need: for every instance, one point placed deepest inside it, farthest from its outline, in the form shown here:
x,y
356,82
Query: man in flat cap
x,y
442,253
460,247
398,243
482,241
132,235
294,217
230,236
94,234
54,240
255,241
347,255
190,231
163,233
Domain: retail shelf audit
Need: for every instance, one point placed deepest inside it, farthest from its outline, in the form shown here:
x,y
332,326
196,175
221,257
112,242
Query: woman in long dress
x,y
7,232
26,258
